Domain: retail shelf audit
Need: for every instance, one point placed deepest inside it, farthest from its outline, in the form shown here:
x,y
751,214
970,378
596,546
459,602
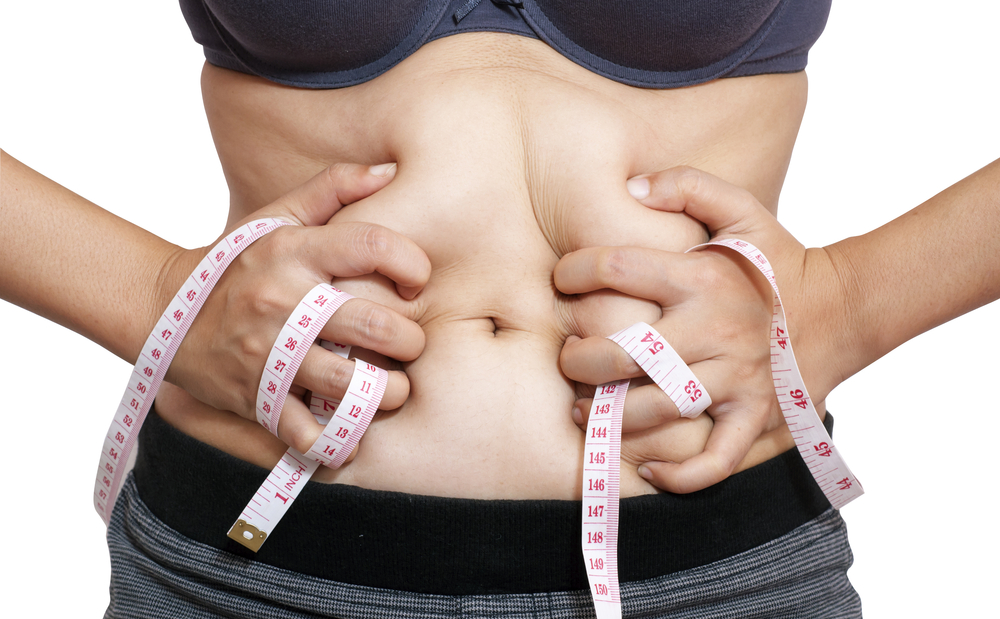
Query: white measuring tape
x,y
602,454
351,416
342,431
828,467
332,448
156,355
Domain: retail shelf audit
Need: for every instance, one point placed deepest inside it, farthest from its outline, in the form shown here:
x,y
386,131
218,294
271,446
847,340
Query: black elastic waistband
x,y
465,546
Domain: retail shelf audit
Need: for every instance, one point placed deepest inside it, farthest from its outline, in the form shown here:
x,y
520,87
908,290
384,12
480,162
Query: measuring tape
x,y
351,416
602,453
156,355
828,467
278,492
302,328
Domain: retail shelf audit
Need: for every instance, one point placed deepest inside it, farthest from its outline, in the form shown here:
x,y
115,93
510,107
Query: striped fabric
x,y
158,573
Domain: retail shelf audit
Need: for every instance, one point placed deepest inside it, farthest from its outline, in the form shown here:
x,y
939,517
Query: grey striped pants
x,y
157,572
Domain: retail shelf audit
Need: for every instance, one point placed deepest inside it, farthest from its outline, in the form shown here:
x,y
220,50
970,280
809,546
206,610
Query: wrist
x,y
823,322
172,269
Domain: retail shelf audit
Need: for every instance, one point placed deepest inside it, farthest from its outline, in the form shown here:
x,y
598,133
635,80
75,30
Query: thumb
x,y
724,208
314,202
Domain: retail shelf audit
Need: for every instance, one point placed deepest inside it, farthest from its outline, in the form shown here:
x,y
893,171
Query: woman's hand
x,y
222,358
717,312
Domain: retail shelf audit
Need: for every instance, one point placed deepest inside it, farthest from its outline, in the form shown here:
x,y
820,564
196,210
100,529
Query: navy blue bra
x,y
647,43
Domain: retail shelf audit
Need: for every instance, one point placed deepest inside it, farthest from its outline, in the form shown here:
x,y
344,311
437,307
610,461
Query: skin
x,y
874,144
540,120
848,304
495,214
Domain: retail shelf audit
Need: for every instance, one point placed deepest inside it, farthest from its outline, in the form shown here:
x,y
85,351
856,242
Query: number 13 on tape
x,y
155,357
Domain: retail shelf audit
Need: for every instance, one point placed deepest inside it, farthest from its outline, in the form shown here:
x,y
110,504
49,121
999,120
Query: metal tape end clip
x,y
247,535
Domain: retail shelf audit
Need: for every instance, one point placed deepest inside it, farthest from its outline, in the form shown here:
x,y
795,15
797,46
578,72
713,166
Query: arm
x,y
74,263
928,266
855,300
78,265
847,304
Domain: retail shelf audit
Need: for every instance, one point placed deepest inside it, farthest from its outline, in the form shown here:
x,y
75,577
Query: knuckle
x,y
710,275
375,323
252,348
266,301
612,265
372,245
281,242
300,439
263,252
376,240
621,363
336,173
718,468
689,181
335,379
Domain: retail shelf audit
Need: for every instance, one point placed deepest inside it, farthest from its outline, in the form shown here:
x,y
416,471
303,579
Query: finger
x,y
314,202
645,407
299,429
597,360
645,273
723,207
364,323
297,426
352,249
329,374
729,443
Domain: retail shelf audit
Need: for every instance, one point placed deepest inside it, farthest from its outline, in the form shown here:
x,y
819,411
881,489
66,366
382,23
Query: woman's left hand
x,y
717,311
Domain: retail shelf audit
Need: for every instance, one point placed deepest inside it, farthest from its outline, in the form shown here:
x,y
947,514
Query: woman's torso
x,y
509,157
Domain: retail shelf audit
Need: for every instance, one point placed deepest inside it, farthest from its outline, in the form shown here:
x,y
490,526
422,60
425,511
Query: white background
x,y
104,98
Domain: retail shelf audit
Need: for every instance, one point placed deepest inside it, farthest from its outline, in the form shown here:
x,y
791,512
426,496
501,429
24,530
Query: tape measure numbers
x,y
341,432
345,422
156,355
299,332
602,453
351,416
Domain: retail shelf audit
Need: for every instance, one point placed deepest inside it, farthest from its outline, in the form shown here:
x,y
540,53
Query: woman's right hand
x,y
221,360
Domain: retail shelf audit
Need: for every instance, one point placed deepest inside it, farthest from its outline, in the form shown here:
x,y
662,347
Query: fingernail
x,y
382,169
638,188
645,473
577,415
408,292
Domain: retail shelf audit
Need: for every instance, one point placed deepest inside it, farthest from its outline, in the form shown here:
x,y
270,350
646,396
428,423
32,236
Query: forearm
x,y
76,264
928,266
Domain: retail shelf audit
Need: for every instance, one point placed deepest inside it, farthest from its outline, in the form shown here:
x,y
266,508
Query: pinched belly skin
x,y
509,157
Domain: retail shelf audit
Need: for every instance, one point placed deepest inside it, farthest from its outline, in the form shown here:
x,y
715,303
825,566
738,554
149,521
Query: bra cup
x,y
659,35
644,43
327,36
743,38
